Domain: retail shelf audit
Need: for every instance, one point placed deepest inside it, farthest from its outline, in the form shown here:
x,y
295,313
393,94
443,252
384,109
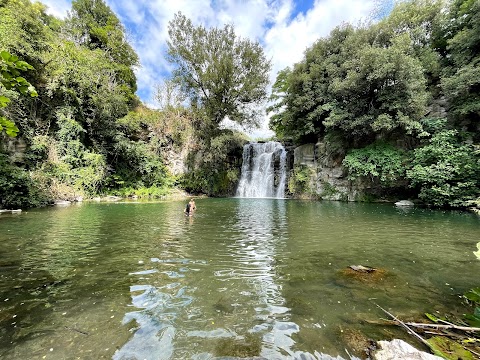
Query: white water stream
x,y
264,171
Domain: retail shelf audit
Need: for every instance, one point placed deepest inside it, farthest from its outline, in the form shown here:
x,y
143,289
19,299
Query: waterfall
x,y
264,171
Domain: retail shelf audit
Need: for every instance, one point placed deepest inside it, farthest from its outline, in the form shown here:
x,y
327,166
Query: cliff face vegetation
x,y
72,126
397,100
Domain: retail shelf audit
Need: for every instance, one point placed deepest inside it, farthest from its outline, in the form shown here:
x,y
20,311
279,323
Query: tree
x,y
23,29
168,95
221,73
10,71
94,25
280,90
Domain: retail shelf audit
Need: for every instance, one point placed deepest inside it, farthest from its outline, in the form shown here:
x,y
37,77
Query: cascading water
x,y
264,171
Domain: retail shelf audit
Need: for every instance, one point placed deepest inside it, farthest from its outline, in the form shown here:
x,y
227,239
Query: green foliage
x,y
152,192
446,170
461,80
137,164
215,170
17,188
24,29
379,162
299,180
366,87
473,295
449,349
82,136
96,26
220,72
473,298
10,71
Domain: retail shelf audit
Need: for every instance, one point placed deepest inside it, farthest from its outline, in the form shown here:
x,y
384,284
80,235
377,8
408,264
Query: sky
x,y
285,28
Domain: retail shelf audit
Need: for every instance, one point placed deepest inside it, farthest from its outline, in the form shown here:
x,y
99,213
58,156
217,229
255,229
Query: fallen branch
x,y
410,331
438,326
425,326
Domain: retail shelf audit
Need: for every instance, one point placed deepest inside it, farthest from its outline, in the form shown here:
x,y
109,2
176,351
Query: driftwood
x,y
410,331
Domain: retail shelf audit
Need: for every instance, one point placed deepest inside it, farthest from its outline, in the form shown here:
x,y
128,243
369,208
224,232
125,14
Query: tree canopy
x,y
400,97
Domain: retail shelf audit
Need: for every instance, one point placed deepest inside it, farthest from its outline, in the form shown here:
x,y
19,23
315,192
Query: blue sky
x,y
285,28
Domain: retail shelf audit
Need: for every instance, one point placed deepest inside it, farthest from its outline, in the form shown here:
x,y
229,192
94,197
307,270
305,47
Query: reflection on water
x,y
242,277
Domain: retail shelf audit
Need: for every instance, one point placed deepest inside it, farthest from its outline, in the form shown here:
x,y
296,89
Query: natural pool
x,y
243,277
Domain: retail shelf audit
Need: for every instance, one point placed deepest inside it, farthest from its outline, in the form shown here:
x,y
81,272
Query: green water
x,y
242,277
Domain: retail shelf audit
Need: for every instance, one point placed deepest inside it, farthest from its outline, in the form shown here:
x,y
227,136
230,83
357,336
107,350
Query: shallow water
x,y
242,277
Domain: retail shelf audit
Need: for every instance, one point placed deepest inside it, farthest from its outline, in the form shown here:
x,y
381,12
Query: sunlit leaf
x,y
5,55
4,101
449,349
473,295
432,317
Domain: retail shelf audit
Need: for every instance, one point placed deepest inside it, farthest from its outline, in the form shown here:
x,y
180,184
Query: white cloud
x,y
57,8
287,40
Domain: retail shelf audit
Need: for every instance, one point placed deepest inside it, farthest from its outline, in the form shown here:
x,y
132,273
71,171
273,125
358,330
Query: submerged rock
x,y
357,342
248,347
62,202
364,274
400,350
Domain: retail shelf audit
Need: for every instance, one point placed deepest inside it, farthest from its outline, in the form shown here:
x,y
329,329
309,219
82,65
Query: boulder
x,y
304,155
400,350
61,202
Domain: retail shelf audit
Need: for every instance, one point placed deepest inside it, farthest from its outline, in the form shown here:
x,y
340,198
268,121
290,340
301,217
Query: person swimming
x,y
190,208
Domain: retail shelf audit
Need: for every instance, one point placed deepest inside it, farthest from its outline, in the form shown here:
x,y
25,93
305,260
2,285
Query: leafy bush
x,y
17,189
446,171
379,162
137,164
153,192
215,170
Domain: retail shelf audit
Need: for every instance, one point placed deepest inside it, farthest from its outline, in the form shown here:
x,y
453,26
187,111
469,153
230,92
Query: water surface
x,y
242,277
